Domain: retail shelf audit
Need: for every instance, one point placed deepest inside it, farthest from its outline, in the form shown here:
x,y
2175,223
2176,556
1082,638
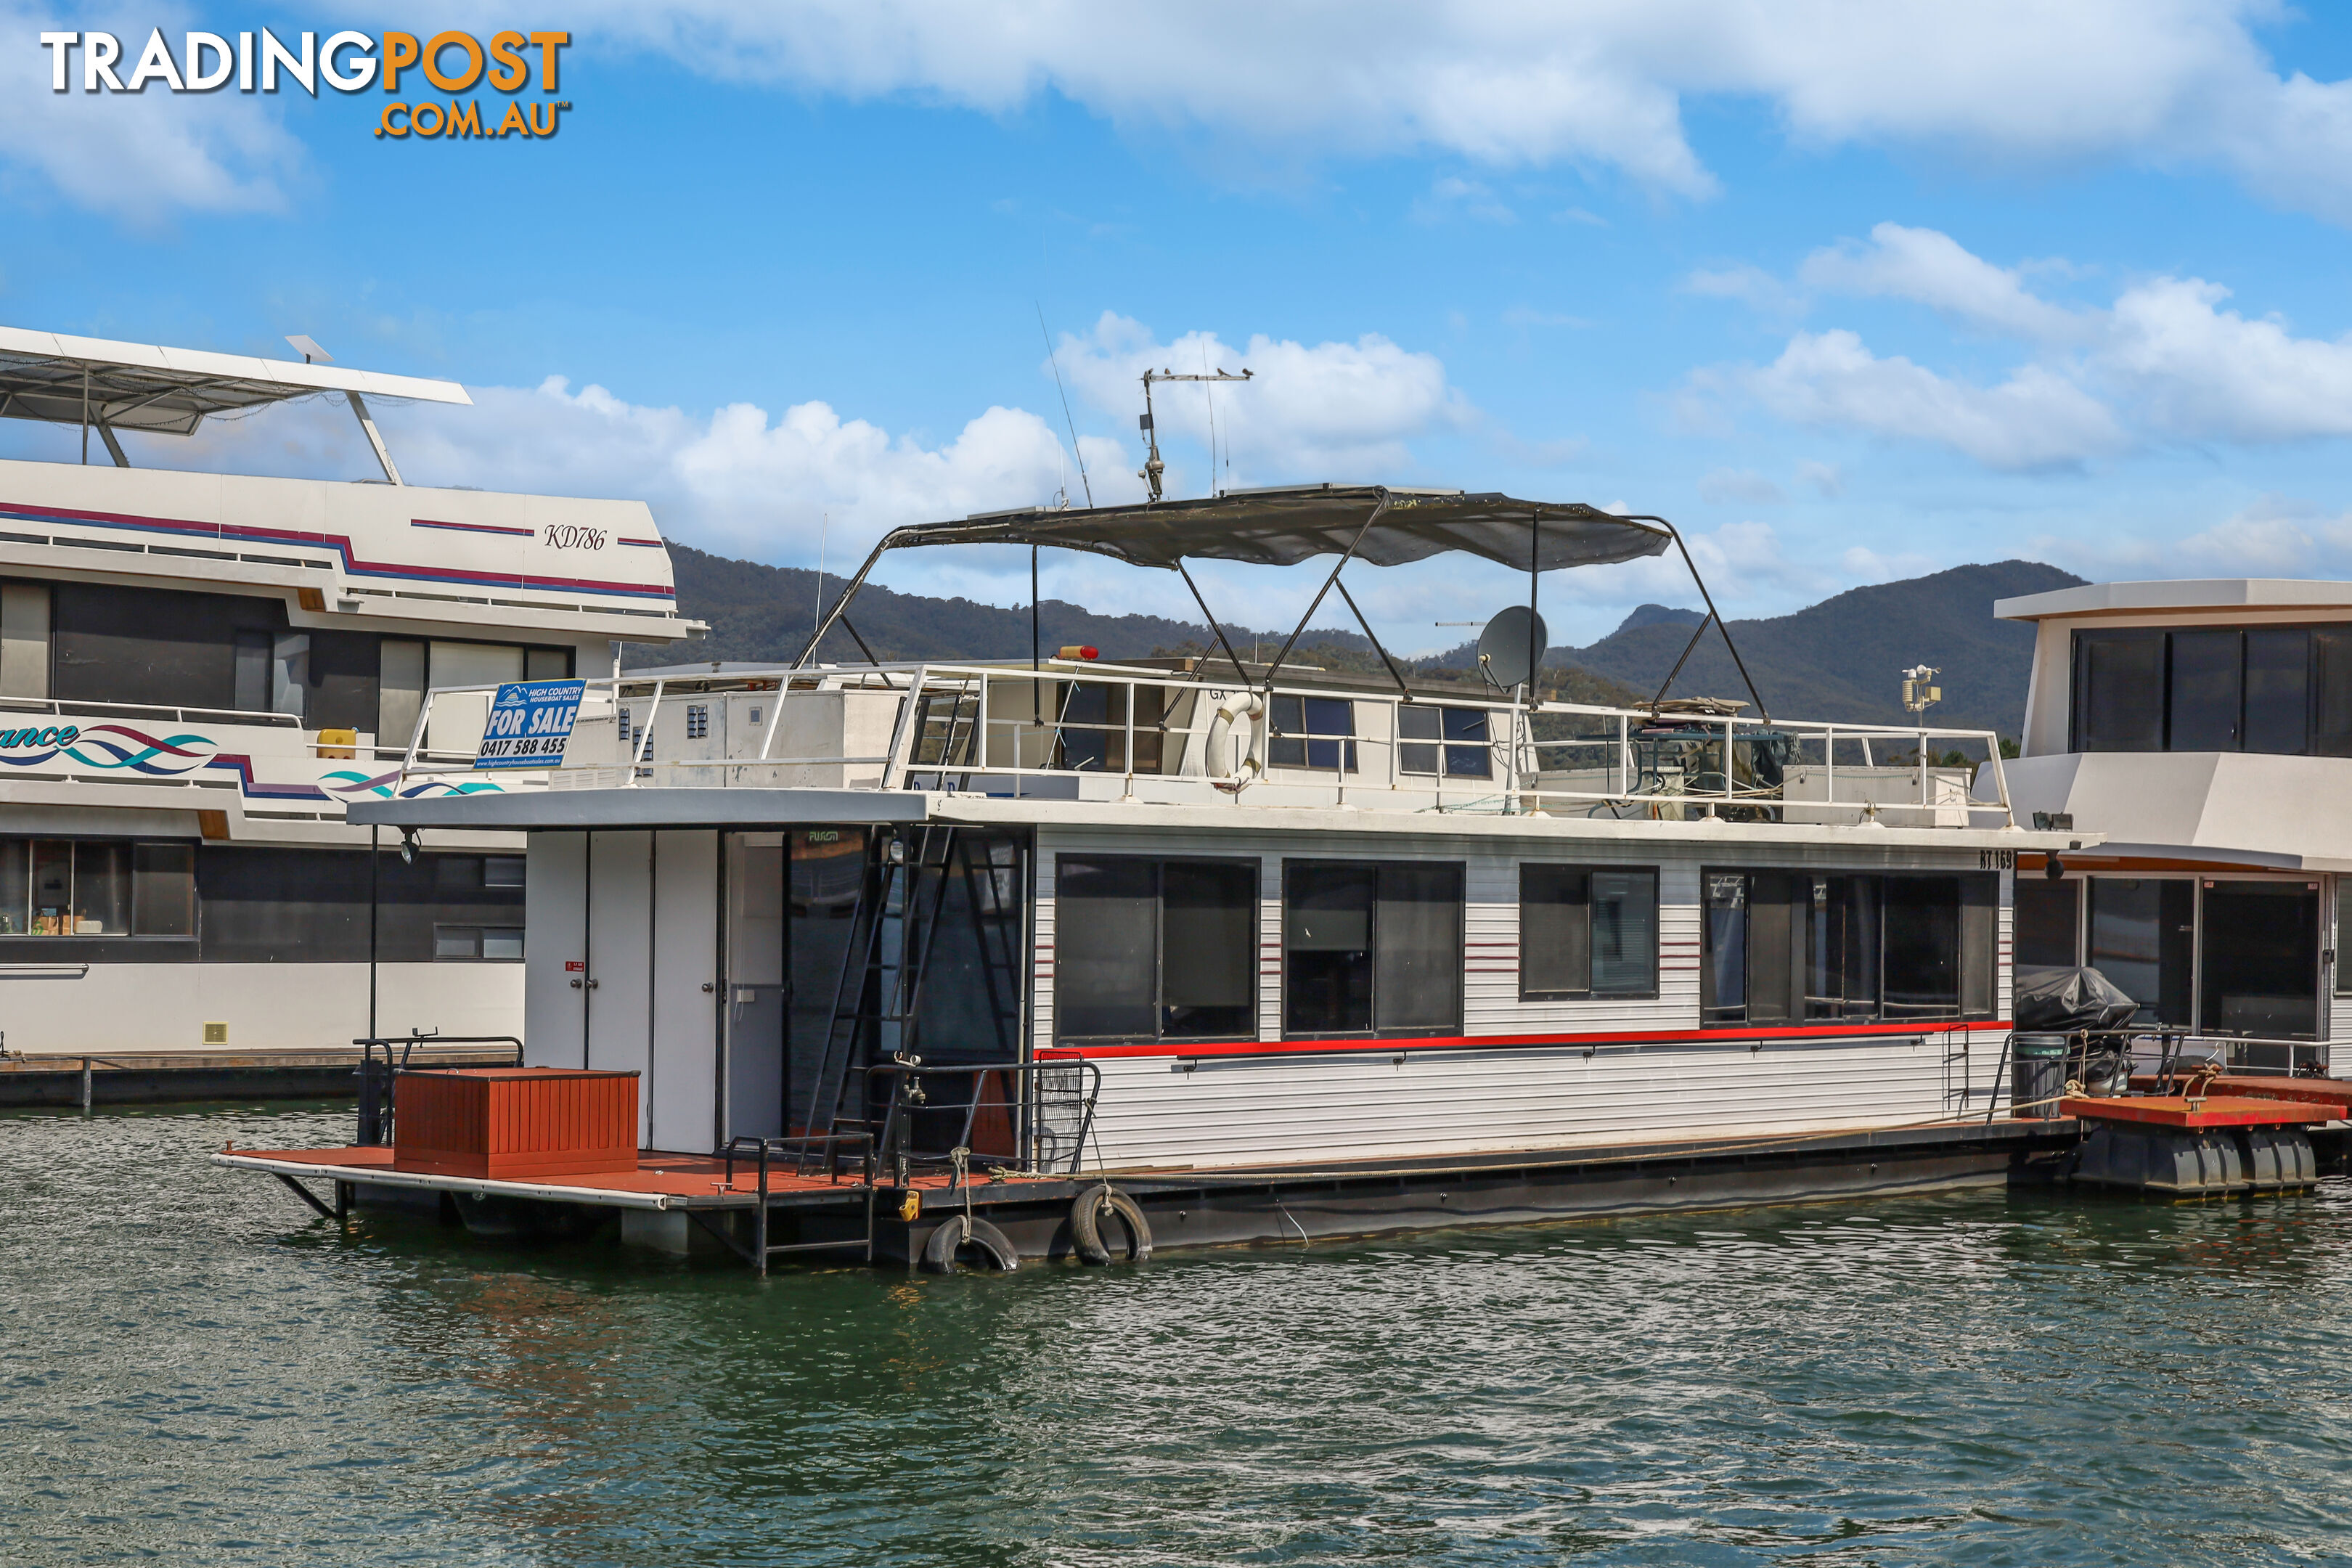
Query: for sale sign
x,y
529,722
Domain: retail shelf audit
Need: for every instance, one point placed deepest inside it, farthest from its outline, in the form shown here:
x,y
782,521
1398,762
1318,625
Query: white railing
x,y
965,727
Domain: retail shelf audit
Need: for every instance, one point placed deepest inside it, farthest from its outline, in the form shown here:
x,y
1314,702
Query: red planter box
x,y
514,1124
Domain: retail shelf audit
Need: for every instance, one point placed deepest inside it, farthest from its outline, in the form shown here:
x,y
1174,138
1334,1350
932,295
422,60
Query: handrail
x,y
968,729
906,1091
375,1083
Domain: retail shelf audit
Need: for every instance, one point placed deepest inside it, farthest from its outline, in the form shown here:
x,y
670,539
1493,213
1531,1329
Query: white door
x,y
555,964
621,901
682,1092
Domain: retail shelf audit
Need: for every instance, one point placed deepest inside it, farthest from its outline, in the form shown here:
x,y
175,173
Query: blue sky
x,y
1849,292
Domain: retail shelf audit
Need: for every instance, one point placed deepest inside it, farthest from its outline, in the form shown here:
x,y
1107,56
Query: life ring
x,y
942,1253
1086,1225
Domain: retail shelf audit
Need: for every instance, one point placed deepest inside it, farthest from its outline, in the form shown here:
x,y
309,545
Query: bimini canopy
x,y
1283,527
165,391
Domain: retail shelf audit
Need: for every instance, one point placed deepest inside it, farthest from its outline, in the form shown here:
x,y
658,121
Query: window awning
x,y
1283,527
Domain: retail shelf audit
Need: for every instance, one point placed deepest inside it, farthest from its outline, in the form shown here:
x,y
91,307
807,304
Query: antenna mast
x,y
1152,466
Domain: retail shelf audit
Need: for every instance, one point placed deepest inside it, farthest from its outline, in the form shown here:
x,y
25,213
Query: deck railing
x,y
1007,730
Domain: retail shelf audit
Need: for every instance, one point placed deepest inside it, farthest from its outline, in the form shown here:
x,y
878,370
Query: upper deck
x,y
1204,742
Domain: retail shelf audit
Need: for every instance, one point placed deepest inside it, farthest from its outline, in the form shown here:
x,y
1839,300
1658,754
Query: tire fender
x,y
1086,1225
996,1250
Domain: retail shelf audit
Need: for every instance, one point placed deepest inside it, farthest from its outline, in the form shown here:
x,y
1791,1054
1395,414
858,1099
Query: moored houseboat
x,y
954,960
200,672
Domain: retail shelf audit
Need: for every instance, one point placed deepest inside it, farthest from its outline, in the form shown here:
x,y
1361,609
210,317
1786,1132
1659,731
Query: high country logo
x,y
346,62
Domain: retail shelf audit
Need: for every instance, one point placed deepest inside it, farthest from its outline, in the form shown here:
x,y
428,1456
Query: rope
x,y
961,1158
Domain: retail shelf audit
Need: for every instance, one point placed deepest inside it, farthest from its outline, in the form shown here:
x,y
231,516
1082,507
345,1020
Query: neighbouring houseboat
x,y
200,672
2204,730
958,960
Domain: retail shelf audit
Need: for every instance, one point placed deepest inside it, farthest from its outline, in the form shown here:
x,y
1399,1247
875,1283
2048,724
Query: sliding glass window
x,y
1585,932
1786,947
1372,948
2282,690
1154,950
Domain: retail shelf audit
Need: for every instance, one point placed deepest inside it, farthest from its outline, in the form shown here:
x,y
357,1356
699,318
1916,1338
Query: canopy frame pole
x,y
1300,629
85,416
840,605
1036,646
1697,631
1240,673
1763,712
1373,638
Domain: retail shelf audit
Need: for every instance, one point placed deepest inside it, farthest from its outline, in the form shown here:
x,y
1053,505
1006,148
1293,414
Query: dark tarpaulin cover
x,y
2060,1001
1280,528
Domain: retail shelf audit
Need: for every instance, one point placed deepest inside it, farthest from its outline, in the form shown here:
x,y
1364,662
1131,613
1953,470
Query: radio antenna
x,y
1051,359
1152,466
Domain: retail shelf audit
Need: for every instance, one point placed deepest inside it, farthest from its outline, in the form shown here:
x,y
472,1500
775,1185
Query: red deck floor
x,y
2214,1110
675,1176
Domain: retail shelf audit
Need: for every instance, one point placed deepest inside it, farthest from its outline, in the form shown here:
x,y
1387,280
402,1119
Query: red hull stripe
x,y
341,544
1511,1042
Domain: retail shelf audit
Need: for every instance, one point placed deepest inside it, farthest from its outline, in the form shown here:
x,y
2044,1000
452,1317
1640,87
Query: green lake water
x,y
194,1369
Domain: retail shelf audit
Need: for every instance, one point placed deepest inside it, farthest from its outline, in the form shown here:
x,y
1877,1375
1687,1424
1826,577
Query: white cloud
x,y
1453,195
2274,536
1328,410
2166,360
1824,479
1931,267
2161,84
736,481
2035,419
135,156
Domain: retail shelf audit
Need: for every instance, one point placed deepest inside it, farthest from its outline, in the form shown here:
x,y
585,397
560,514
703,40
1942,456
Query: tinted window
x,y
2260,975
2045,921
2278,689
1586,933
1862,947
1149,949
1922,961
1372,948
2141,937
1452,740
152,644
2204,712
1307,730
2118,691
260,905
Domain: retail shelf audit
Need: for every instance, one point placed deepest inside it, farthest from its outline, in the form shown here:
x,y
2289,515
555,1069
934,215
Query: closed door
x,y
555,962
681,1092
620,927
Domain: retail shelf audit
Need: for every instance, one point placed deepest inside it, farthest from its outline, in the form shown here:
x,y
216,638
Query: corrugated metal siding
x,y
1369,1103
1372,1104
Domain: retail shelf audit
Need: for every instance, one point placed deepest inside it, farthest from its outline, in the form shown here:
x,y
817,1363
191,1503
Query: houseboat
x,y
2203,729
200,673
957,961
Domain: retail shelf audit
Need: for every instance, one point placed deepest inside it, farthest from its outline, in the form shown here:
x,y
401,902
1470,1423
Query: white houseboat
x,y
200,673
931,957
2204,730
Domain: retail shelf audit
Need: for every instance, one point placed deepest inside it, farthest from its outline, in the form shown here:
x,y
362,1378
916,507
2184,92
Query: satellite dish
x,y
1505,646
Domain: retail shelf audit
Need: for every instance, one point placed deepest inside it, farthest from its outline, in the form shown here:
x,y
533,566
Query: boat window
x,y
110,887
1311,732
1781,946
1586,933
1452,740
2260,974
268,905
2279,690
24,639
1092,727
401,689
2205,692
2046,917
156,646
1372,948
2142,936
1147,949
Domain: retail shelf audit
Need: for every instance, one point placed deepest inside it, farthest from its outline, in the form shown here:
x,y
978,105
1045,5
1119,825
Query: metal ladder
x,y
877,999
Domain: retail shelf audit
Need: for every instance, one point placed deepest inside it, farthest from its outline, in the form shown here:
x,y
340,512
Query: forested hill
x,y
1843,657
1840,658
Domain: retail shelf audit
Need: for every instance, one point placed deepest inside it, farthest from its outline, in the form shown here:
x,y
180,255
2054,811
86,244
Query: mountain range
x,y
1839,659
